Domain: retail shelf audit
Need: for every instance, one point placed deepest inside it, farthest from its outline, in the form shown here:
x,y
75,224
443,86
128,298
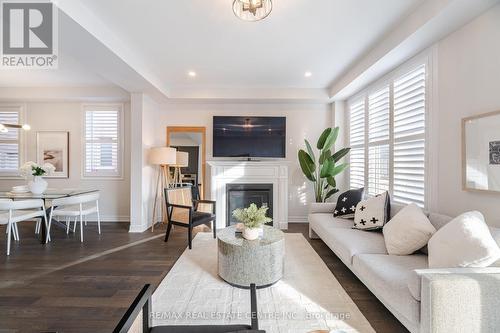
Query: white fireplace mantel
x,y
251,172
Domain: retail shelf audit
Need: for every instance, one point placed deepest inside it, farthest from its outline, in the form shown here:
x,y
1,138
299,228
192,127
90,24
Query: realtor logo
x,y
29,37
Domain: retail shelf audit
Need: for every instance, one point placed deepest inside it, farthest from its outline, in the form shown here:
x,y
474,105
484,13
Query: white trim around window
x,y
14,145
102,141
386,155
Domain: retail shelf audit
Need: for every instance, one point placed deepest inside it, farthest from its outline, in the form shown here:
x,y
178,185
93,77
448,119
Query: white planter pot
x,y
38,185
251,233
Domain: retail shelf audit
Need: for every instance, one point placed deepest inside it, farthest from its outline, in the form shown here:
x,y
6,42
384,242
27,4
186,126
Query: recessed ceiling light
x,y
192,73
308,74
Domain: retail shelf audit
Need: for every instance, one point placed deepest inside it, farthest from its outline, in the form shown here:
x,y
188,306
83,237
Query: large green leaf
x,y
322,139
309,150
330,141
327,169
338,169
331,181
330,193
325,154
341,153
307,165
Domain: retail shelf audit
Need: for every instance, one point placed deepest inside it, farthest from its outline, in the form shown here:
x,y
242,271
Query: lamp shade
x,y
182,160
162,156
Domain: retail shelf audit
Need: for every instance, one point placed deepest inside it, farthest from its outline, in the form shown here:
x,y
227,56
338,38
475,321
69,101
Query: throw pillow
x,y
465,241
346,203
373,213
408,231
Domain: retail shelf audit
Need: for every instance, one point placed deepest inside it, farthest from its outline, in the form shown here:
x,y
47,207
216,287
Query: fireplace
x,y
242,195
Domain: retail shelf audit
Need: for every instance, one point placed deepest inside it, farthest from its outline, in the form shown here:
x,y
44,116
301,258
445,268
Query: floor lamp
x,y
182,161
162,157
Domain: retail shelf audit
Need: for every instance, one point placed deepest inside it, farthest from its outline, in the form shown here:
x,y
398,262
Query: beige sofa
x,y
424,300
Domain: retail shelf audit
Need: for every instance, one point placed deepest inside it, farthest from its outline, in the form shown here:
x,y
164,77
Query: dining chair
x,y
185,212
79,206
12,212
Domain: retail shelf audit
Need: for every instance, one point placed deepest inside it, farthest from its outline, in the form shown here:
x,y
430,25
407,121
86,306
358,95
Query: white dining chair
x,y
79,206
12,212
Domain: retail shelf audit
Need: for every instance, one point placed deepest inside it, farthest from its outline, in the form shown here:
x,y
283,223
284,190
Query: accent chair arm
x,y
322,207
206,202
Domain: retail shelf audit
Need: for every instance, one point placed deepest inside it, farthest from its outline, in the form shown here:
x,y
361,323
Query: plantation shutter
x,y
357,143
9,141
409,137
102,141
378,137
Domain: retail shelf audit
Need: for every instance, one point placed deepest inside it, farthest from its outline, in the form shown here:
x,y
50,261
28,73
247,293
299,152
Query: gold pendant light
x,y
252,10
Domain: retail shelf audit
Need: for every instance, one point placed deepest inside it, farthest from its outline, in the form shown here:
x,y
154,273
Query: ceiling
x,y
324,37
70,73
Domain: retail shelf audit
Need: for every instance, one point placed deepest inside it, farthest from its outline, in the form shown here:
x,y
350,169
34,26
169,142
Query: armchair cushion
x,y
202,218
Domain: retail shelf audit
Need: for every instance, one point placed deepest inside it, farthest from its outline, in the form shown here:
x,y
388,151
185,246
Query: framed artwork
x,y
53,147
481,152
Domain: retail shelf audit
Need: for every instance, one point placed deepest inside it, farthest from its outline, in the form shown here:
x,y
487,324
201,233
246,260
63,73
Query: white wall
x,y
468,84
303,121
67,116
143,180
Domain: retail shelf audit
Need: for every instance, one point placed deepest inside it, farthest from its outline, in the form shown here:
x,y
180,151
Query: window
x,y
103,142
10,141
388,126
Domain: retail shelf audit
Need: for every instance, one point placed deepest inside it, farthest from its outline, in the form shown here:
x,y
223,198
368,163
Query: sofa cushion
x,y
388,276
346,203
466,241
495,232
329,222
438,220
408,231
373,213
347,243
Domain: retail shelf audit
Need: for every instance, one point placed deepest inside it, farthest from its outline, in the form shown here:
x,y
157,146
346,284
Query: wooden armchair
x,y
185,212
131,322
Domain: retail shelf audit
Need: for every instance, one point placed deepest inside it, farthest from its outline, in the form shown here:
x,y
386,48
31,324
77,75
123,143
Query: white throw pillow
x,y
373,213
465,241
408,231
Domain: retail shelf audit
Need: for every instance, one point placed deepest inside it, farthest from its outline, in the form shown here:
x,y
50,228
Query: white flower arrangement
x,y
33,169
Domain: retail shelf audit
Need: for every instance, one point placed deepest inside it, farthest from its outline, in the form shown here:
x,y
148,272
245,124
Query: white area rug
x,y
308,298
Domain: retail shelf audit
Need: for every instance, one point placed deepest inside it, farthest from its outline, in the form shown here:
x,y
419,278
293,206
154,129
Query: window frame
x,y
21,109
430,164
121,144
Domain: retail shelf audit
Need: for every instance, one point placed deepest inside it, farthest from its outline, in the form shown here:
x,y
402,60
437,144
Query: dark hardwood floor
x,y
67,286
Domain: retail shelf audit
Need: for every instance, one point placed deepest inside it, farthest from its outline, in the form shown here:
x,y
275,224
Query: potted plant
x,y
38,185
322,171
252,218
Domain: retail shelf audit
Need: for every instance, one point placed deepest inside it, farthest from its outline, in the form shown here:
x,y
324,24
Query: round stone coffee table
x,y
242,262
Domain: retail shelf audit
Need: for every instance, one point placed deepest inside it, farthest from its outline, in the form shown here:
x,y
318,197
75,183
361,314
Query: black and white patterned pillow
x,y
373,213
346,203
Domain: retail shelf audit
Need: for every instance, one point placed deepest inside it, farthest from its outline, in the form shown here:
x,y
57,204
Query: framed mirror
x,y
190,140
481,152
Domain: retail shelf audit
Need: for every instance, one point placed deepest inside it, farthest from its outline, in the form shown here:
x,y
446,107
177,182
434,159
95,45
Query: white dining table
x,y
47,196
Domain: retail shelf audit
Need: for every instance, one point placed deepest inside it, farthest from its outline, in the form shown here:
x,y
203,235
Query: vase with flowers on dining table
x,y
37,185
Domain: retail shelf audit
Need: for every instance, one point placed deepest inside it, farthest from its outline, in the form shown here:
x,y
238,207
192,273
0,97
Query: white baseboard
x,y
283,225
297,219
108,218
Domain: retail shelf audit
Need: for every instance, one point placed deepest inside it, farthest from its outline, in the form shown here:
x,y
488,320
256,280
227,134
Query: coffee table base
x,y
248,287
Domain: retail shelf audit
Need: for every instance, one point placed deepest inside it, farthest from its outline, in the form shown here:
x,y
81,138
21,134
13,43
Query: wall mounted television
x,y
249,137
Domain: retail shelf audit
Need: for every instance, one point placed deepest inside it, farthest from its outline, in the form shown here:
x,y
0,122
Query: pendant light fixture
x,y
252,10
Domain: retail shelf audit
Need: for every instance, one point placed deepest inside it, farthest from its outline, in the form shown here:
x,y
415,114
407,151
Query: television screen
x,y
249,137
